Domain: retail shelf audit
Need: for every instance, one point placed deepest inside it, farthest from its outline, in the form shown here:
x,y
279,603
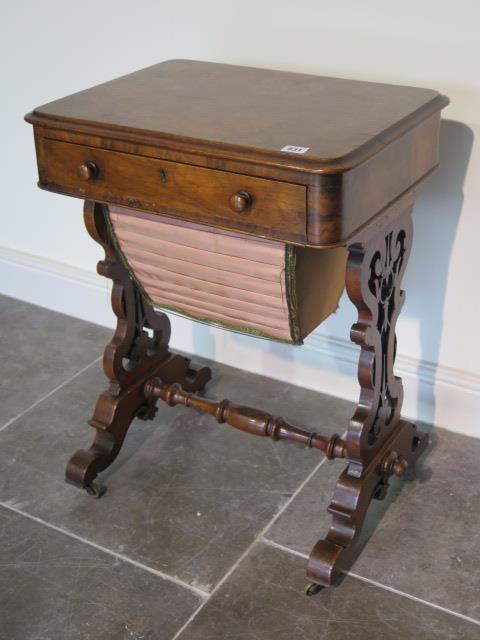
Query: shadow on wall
x,y
435,218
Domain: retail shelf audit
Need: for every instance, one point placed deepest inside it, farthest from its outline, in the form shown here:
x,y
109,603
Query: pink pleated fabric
x,y
205,273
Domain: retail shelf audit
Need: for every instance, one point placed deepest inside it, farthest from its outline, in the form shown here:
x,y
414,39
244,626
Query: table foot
x,y
352,497
378,443
114,414
138,350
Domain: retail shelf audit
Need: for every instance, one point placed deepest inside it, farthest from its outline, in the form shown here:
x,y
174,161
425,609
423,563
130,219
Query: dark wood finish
x,y
130,359
273,208
241,201
375,268
377,437
352,497
206,142
238,120
247,112
257,422
342,204
88,170
254,421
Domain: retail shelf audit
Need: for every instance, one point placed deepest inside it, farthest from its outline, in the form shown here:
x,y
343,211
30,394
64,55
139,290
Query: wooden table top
x,y
253,112
300,158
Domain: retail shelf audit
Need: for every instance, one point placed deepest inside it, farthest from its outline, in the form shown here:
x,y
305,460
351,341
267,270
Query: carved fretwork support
x,y
377,437
142,335
138,350
374,273
379,444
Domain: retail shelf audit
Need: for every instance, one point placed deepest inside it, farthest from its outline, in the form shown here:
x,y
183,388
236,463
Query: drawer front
x,y
255,205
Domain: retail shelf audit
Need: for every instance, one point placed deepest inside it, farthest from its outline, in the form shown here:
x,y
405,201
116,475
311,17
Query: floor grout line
x,y
206,596
282,547
257,538
119,556
50,393
412,597
374,583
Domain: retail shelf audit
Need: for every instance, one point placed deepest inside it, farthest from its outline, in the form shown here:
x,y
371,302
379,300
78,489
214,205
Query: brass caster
x,y
96,490
311,588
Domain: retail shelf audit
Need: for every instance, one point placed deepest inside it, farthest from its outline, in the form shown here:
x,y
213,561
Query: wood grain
x,y
367,144
252,112
204,142
276,210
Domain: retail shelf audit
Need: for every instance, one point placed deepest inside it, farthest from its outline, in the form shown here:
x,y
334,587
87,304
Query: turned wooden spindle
x,y
248,419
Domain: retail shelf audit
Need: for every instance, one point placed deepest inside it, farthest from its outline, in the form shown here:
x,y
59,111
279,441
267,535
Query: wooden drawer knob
x,y
240,201
88,170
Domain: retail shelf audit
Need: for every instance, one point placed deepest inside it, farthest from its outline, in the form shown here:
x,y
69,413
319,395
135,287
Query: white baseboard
x,y
434,393
55,285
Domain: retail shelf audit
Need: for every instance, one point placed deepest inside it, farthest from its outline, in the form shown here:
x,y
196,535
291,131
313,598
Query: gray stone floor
x,y
204,531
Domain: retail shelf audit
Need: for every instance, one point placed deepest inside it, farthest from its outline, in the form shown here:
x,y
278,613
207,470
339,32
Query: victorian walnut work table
x,y
248,198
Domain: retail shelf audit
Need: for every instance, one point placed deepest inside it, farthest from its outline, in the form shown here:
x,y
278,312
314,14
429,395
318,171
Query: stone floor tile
x,y
424,539
40,350
262,600
186,496
54,587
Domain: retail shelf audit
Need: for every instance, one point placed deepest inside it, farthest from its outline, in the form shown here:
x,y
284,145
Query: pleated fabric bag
x,y
262,287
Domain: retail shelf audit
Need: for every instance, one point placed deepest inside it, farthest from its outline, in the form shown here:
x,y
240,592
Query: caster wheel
x,y
147,412
311,588
96,490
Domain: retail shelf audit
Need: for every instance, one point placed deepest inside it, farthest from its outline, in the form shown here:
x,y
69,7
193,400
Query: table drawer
x,y
256,205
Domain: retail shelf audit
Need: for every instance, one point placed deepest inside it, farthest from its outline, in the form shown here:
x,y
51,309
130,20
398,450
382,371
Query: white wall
x,y
53,48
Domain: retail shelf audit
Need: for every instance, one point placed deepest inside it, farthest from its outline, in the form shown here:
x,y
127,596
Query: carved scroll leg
x,y
352,498
114,414
111,420
379,442
138,350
